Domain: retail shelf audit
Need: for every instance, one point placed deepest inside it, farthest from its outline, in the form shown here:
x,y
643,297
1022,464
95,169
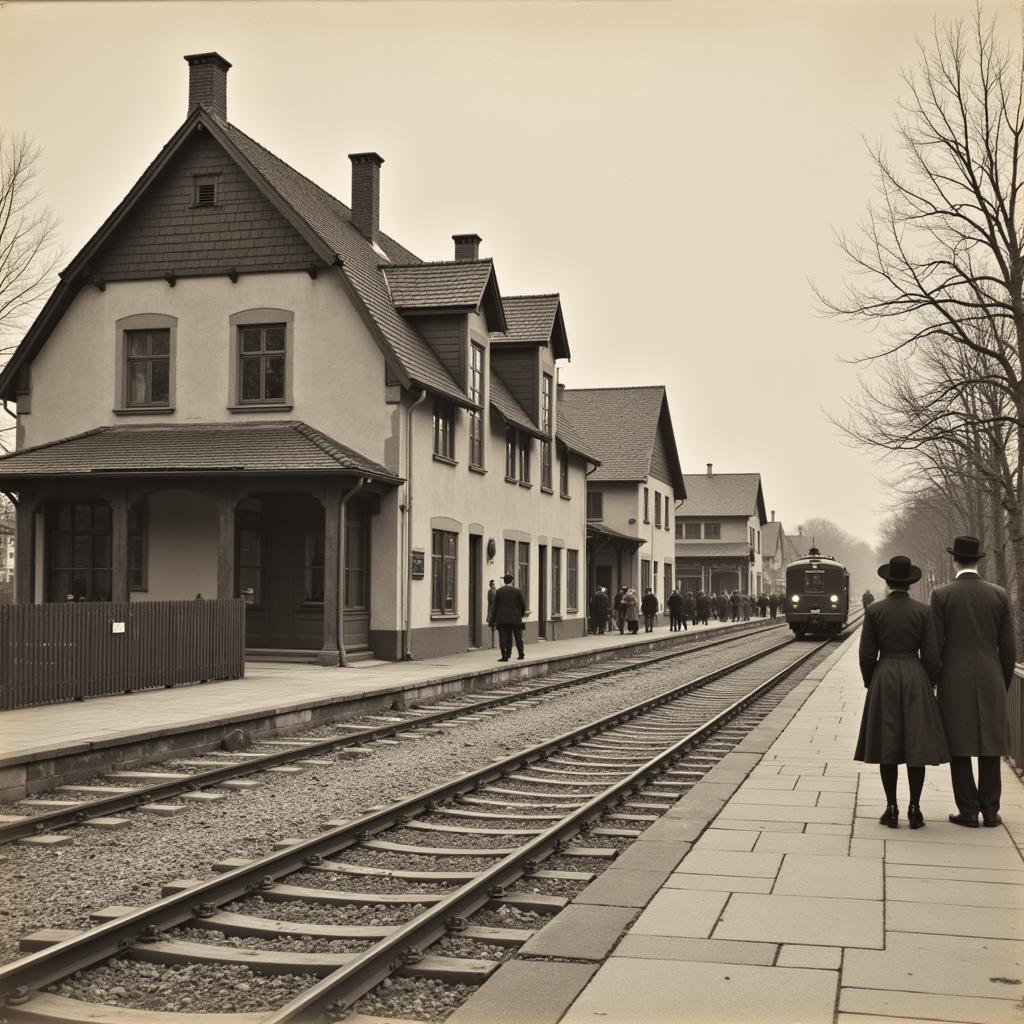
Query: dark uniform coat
x,y
649,605
675,604
599,607
509,606
899,662
703,605
974,631
690,605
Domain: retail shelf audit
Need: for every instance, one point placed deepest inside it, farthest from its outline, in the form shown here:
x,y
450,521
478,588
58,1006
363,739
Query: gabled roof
x,y
797,546
621,426
464,285
569,435
325,223
505,403
771,536
723,494
534,320
284,446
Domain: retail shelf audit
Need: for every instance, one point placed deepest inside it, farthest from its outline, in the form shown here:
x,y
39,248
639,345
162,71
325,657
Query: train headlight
x,y
834,598
796,599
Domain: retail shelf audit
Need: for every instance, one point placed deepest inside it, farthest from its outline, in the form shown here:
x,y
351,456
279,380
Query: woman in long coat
x,y
631,607
899,662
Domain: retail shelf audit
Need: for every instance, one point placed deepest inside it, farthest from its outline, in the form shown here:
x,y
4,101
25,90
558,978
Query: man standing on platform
x,y
650,607
491,591
974,629
703,607
507,613
773,604
599,611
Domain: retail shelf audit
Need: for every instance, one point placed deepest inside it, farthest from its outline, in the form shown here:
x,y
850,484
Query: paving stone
x,y
675,830
748,824
48,840
804,874
780,812
922,1007
867,848
726,839
719,883
958,874
960,894
730,862
108,824
749,794
618,888
802,842
630,991
826,958
525,992
947,854
690,913
717,951
580,933
769,782
845,800
945,919
827,784
806,920
941,964
646,855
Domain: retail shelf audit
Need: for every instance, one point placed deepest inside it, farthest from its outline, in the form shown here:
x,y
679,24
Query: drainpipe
x,y
406,625
359,485
7,410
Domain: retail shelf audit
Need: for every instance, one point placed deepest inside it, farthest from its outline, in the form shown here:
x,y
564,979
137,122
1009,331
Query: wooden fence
x,y
58,652
1015,709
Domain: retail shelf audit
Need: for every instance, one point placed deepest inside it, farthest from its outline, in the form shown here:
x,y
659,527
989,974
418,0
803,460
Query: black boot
x,y
891,817
914,816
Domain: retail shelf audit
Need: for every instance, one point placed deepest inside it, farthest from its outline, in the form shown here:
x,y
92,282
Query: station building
x,y
718,533
242,386
631,494
773,556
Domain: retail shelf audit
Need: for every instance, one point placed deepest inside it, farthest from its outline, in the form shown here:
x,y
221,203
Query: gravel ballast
x,y
58,887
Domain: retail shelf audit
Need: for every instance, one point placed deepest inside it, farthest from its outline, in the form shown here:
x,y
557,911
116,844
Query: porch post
x,y
225,545
25,549
331,500
119,550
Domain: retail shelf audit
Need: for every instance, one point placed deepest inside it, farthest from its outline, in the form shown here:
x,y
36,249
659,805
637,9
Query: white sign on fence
x,y
117,627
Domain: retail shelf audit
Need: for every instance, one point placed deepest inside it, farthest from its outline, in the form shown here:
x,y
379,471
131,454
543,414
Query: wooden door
x,y
475,595
542,591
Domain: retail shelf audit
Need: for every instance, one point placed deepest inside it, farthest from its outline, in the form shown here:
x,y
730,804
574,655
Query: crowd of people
x,y
625,610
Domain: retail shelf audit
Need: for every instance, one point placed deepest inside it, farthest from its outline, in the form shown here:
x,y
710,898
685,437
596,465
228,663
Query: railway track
x,y
124,790
514,835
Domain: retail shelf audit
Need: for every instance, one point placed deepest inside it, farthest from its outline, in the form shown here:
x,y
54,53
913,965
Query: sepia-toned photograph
x,y
512,511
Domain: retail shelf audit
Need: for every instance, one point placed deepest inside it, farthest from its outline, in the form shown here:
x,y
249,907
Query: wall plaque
x,y
417,564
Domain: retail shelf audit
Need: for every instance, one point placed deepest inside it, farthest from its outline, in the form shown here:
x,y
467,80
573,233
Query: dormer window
x,y
205,190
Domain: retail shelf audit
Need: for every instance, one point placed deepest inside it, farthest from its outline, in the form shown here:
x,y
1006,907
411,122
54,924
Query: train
x,y
817,595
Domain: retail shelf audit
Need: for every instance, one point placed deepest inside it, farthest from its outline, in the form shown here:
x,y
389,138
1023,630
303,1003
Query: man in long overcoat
x,y
491,591
620,613
507,613
974,629
773,604
598,611
650,607
734,604
689,609
674,604
703,608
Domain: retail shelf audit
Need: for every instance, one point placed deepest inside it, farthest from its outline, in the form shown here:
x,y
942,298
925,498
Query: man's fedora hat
x,y
899,569
508,577
966,549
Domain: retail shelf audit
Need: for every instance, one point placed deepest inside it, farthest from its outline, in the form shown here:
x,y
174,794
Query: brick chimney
x,y
208,83
709,469
467,247
366,193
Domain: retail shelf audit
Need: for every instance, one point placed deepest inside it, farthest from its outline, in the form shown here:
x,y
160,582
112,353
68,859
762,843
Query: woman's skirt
x,y
901,722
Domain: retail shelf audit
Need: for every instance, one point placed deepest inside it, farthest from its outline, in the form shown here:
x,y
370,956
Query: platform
x,y
50,745
770,893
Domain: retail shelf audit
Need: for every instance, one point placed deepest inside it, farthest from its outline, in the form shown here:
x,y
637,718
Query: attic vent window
x,y
205,191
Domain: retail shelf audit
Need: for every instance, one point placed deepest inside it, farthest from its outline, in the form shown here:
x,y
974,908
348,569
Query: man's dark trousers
x,y
507,632
971,798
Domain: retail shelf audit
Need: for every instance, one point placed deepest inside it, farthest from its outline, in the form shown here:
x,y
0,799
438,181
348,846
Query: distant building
x,y
773,556
6,553
718,533
632,493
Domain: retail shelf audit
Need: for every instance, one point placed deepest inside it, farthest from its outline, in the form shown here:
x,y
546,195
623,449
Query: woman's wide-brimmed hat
x,y
966,549
899,569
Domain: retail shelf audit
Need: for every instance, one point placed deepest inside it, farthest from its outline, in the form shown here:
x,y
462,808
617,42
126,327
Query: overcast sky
x,y
674,170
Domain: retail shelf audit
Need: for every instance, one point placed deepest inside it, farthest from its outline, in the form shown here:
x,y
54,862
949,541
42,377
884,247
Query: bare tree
x,y
857,555
938,261
29,248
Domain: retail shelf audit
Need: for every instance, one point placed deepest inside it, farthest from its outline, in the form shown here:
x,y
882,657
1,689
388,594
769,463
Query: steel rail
x,y
107,806
63,958
406,943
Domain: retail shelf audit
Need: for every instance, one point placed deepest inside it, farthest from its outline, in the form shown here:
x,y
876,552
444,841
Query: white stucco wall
x,y
181,540
338,370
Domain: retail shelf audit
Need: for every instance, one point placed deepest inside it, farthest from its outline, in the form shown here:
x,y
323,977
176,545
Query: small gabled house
x,y
773,556
718,533
242,386
632,493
